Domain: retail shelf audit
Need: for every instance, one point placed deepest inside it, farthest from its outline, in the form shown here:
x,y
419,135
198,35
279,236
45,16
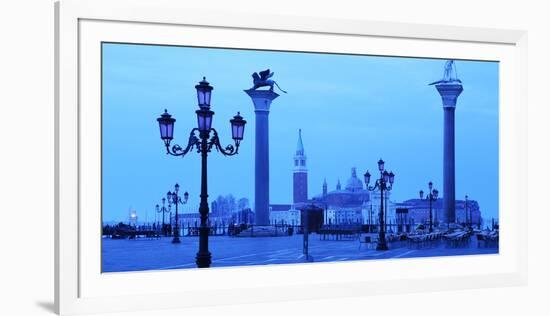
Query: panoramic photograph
x,y
225,157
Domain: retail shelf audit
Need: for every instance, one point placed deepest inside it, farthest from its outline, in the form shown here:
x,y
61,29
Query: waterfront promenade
x,y
161,254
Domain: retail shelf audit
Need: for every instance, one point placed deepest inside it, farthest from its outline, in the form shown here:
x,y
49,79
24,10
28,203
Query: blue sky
x,y
352,110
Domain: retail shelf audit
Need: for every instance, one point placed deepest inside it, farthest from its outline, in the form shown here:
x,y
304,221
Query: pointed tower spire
x,y
300,156
338,185
325,187
300,172
300,145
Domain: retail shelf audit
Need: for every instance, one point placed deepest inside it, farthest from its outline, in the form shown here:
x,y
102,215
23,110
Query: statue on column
x,y
449,74
262,80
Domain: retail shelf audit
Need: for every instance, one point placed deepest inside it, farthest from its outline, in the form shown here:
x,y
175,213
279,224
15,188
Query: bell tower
x,y
300,172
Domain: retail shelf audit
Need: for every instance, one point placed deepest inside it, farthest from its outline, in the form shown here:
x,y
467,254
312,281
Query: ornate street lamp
x,y
166,124
431,197
163,210
204,93
174,198
237,128
384,183
206,140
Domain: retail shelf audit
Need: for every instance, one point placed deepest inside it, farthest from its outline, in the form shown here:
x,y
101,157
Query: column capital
x,y
449,93
261,99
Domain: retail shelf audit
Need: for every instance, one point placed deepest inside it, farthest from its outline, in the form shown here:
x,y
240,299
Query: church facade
x,y
351,204
355,204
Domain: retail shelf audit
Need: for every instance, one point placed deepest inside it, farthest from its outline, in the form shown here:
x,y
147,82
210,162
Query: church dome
x,y
353,183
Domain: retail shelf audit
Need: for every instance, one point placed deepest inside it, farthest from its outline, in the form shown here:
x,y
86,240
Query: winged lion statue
x,y
262,80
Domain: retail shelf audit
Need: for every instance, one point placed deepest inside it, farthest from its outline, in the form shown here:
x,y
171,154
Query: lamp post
x,y
370,218
174,198
207,139
385,183
467,212
169,226
163,210
431,197
133,218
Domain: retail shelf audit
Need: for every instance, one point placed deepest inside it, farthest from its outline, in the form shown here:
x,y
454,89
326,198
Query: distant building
x,y
355,204
284,214
341,206
419,211
188,219
349,205
244,216
194,220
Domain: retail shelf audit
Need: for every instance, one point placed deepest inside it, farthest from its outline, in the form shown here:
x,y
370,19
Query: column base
x,y
382,247
203,260
306,258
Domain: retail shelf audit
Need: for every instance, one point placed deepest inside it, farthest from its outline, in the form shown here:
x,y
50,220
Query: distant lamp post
x,y
133,218
370,219
468,212
163,210
174,198
384,183
431,197
203,144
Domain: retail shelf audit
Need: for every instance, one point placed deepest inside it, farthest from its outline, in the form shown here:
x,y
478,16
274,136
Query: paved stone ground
x,y
160,254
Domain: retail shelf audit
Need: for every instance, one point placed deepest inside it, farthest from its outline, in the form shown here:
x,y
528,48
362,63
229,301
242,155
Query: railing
x,y
419,241
276,229
339,232
135,234
457,239
487,239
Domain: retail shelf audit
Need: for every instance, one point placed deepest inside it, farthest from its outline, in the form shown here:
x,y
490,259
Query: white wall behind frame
x,y
27,90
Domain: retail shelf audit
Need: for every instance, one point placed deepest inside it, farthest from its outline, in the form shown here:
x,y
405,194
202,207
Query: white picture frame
x,y
82,25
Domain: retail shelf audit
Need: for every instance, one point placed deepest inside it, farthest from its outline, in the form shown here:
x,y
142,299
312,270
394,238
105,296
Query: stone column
x,y
449,93
262,102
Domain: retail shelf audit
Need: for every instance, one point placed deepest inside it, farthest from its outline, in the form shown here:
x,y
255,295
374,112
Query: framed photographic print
x,y
209,159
